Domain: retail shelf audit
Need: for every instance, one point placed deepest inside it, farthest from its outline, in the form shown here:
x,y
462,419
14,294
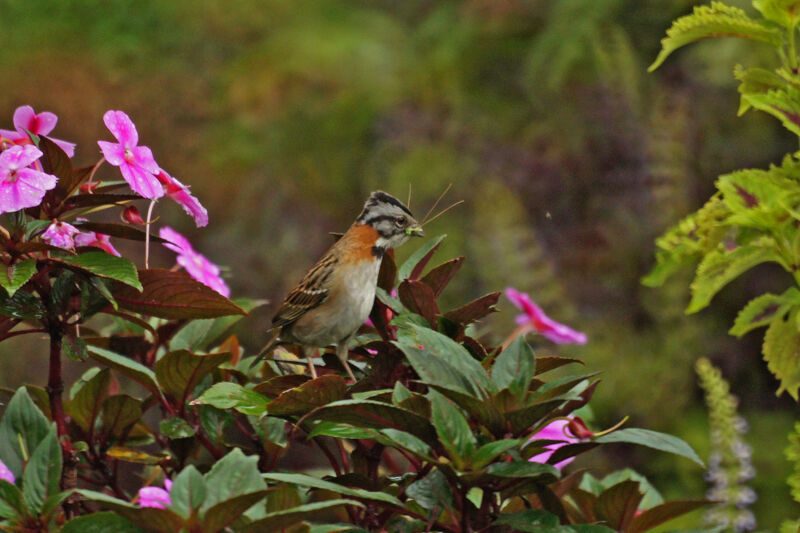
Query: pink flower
x,y
21,186
39,124
135,162
534,319
98,240
197,265
156,496
180,193
554,431
6,474
60,234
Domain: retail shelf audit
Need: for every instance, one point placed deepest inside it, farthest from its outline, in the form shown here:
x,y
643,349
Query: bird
x,y
335,296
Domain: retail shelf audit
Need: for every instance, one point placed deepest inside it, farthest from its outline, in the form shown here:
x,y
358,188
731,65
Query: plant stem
x,y
147,235
792,50
55,383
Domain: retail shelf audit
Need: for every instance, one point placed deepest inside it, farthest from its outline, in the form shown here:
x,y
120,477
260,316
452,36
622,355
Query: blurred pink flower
x,y
21,186
534,319
39,124
196,264
60,234
554,431
6,474
180,193
135,162
156,496
98,240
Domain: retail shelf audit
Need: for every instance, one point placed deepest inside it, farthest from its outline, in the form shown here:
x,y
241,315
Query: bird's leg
x,y
341,353
311,352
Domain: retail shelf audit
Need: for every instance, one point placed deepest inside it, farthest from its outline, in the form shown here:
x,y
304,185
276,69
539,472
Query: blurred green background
x,y
284,114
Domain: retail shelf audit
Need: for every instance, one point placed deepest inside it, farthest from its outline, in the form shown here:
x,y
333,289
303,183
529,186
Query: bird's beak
x,y
415,231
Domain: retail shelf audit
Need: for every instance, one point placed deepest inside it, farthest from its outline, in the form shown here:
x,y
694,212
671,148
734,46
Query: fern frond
x,y
716,20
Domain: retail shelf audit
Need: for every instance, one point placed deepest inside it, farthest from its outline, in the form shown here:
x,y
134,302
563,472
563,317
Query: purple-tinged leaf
x,y
168,294
413,266
180,371
419,298
273,387
122,231
659,514
438,278
617,505
474,310
308,396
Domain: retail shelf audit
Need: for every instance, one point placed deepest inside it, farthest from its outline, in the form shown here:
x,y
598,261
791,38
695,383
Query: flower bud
x,y
131,215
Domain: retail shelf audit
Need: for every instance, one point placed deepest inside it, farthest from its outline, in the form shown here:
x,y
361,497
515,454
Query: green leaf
x,y
233,475
308,396
198,335
432,491
87,401
651,518
762,310
176,428
188,491
119,413
515,367
106,266
783,104
453,429
523,469
378,415
23,305
12,504
179,372
151,519
221,515
755,80
304,480
227,395
22,424
103,522
531,520
717,20
17,275
719,267
782,352
43,472
168,294
783,12
423,253
446,349
281,520
652,439
491,450
136,371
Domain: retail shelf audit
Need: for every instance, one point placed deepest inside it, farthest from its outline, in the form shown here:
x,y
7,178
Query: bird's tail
x,y
272,343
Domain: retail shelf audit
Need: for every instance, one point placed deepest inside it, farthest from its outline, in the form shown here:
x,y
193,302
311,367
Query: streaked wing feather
x,y
310,293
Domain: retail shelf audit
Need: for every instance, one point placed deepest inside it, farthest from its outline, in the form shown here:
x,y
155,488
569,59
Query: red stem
x,y
55,384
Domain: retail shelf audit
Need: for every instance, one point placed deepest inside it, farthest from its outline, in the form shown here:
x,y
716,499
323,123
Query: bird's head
x,y
391,219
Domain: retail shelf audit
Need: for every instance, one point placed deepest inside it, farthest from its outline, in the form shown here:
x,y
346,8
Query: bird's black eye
x,y
400,221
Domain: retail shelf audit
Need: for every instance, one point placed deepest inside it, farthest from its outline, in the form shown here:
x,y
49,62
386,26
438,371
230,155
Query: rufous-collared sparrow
x,y
336,295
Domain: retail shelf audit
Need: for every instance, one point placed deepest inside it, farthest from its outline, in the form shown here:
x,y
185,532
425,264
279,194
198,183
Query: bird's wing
x,y
311,292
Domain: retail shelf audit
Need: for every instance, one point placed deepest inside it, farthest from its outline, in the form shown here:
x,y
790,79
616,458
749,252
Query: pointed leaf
x,y
515,367
176,428
782,352
136,371
720,267
221,515
378,415
85,406
432,491
652,439
188,491
119,413
91,200
17,275
523,469
651,518
453,429
12,504
22,424
419,298
102,522
43,472
150,519
168,294
281,520
762,310
232,476
491,450
179,372
412,268
308,396
618,504
104,265
227,395
716,20
304,480
438,278
474,310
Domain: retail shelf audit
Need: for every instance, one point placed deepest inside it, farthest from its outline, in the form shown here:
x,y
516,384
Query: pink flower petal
x,y
113,152
154,497
68,147
5,473
553,431
177,242
141,181
24,117
541,323
60,234
121,127
98,240
195,264
180,193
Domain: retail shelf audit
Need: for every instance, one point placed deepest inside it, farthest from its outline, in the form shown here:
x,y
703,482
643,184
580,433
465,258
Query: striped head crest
x,y
391,219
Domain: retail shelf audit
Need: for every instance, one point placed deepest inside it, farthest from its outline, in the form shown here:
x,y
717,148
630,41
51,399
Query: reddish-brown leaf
x,y
169,294
474,310
419,298
438,278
